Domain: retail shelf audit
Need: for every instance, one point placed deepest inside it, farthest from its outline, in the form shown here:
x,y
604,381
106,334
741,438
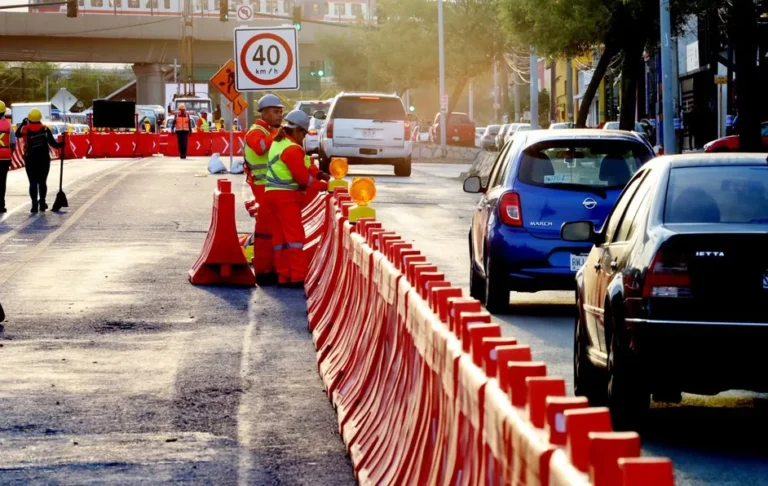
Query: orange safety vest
x,y
182,122
5,140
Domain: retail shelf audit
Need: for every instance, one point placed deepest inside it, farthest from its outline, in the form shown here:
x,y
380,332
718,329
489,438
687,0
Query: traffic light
x,y
223,10
411,108
297,17
72,8
320,73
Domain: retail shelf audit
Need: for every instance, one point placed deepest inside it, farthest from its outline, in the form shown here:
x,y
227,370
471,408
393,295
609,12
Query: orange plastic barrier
x,y
222,260
77,146
148,145
427,390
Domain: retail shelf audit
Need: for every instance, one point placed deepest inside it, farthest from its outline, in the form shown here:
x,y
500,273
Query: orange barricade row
x,y
426,389
99,145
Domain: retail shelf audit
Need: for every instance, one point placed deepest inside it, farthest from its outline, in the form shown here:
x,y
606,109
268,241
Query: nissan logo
x,y
589,203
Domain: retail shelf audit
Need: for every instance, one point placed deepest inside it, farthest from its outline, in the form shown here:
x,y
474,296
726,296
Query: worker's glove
x,y
323,176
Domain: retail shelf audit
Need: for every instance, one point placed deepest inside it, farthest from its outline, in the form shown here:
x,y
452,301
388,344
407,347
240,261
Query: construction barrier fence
x,y
429,392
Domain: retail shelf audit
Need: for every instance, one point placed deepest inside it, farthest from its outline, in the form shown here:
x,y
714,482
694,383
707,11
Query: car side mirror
x,y
579,231
319,114
473,185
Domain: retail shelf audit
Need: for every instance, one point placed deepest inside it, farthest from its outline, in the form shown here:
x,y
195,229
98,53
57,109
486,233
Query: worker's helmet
x,y
269,101
34,115
203,112
2,107
182,107
297,118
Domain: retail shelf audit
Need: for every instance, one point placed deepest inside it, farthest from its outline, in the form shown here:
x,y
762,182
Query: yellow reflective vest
x,y
279,177
256,163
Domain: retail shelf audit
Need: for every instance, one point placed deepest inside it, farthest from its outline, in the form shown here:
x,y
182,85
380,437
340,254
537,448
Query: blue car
x,y
540,180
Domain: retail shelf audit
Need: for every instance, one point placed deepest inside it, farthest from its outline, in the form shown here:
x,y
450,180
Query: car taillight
x,y
313,132
329,131
509,209
667,277
407,135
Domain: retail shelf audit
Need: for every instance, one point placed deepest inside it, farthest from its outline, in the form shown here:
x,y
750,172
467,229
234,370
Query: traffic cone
x,y
222,261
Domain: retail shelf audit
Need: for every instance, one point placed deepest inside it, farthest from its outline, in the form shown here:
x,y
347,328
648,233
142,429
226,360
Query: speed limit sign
x,y
266,59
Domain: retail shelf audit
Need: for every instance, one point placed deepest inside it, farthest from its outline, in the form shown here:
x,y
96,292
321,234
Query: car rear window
x,y
717,194
311,108
369,108
578,164
460,119
494,129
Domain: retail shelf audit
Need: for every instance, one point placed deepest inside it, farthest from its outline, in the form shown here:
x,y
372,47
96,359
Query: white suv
x,y
366,128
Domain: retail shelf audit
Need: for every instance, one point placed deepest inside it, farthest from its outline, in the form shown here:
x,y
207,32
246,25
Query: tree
x,y
25,81
83,82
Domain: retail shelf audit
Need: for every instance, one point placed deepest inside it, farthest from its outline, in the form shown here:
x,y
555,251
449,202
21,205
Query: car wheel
x,y
476,282
628,396
588,381
325,161
403,168
496,291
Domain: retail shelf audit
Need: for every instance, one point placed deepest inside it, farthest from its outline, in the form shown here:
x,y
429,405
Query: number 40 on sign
x,y
266,59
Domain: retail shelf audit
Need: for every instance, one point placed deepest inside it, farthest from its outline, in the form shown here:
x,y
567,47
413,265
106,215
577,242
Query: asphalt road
x,y
115,369
712,440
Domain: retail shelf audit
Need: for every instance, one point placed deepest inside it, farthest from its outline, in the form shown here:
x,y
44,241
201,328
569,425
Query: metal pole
x,y
534,90
667,86
441,60
97,89
495,91
47,94
719,110
516,92
232,136
174,76
569,115
471,101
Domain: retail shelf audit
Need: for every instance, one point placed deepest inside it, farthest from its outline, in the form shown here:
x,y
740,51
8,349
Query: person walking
x,y
181,127
37,156
258,141
7,146
288,175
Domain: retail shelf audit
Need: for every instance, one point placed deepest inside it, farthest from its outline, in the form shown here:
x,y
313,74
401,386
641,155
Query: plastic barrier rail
x,y
426,389
126,145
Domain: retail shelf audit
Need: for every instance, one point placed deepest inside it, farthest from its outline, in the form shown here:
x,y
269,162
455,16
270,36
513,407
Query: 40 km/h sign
x,y
266,59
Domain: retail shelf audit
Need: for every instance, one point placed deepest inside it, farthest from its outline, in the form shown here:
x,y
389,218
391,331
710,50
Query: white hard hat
x,y
297,118
269,101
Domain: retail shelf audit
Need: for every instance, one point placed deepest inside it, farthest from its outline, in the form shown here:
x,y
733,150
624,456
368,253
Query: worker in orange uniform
x,y
289,174
257,143
181,127
203,125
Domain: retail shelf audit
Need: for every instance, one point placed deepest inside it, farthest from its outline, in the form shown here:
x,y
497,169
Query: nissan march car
x,y
540,180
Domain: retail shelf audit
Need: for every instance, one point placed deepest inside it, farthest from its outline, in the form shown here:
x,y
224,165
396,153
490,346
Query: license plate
x,y
369,133
577,261
455,139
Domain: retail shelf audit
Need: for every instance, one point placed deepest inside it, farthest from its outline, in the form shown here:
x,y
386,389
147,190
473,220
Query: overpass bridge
x,y
149,43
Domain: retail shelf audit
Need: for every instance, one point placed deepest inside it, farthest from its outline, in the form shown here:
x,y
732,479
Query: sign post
x,y
224,81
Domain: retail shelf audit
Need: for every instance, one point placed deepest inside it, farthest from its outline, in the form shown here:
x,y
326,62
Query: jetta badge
x,y
589,203
765,281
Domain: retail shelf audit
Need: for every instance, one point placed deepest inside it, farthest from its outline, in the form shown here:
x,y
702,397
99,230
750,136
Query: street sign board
x,y
444,104
224,80
64,100
238,105
266,58
721,79
244,13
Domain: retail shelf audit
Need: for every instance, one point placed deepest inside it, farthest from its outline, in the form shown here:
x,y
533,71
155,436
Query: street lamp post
x,y
441,60
666,79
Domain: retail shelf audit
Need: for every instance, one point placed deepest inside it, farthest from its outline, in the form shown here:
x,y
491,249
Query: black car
x,y
673,296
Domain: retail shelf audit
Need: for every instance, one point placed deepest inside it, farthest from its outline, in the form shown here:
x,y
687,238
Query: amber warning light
x,y
338,169
362,191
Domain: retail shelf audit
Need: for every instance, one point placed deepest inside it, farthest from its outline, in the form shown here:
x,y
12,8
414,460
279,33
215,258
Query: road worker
x,y
181,127
257,143
37,156
203,125
7,146
289,174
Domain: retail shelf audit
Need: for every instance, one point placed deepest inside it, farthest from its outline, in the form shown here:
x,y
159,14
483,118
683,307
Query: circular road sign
x,y
266,59
244,12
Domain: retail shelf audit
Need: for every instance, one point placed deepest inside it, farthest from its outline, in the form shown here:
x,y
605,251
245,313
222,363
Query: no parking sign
x,y
266,59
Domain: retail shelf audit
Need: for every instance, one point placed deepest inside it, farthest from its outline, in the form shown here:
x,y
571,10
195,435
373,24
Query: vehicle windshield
x,y
493,130
195,106
459,119
580,164
311,108
717,194
369,108
480,130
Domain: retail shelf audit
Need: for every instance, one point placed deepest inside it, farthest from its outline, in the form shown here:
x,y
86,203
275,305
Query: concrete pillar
x,y
150,84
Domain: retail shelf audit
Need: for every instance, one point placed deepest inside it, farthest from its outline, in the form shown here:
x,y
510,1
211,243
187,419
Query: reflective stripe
x,y
263,145
310,181
259,177
279,177
288,246
257,164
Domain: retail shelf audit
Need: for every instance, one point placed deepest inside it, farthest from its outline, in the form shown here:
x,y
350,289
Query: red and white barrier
x,y
427,390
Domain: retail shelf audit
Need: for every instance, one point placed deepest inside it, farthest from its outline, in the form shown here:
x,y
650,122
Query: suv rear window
x,y
311,108
369,108
579,164
718,194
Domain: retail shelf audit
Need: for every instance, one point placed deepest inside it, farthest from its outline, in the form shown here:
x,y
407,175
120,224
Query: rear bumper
x,y
701,357
352,153
534,264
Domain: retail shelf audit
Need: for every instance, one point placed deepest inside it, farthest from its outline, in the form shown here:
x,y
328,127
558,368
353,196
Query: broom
x,y
61,198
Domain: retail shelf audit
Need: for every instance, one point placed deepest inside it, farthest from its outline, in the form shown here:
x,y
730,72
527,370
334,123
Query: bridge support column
x,y
150,84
